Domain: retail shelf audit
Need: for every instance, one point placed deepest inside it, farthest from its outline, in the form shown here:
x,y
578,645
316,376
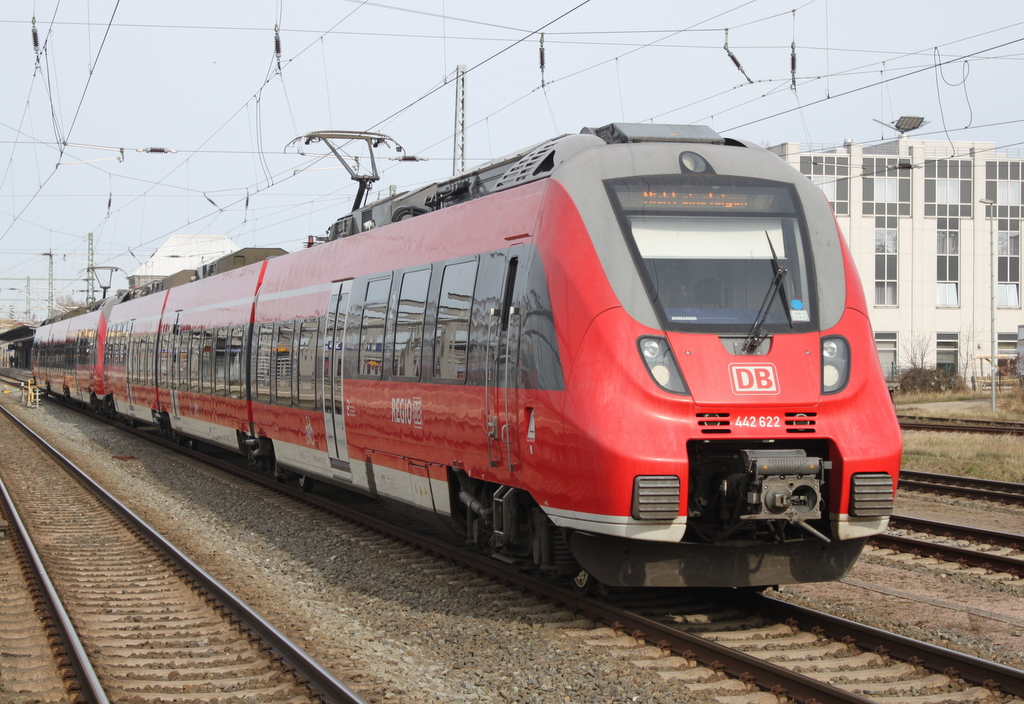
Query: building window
x,y
886,255
947,274
1008,263
831,175
947,188
1006,343
885,343
947,349
886,186
1003,185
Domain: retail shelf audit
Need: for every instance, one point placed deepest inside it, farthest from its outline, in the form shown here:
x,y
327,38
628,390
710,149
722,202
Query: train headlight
x,y
661,364
835,364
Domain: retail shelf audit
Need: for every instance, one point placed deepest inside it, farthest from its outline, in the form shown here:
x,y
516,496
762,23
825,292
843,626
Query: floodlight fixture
x,y
906,123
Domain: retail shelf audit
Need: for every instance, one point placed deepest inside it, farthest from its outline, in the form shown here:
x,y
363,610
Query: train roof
x,y
531,164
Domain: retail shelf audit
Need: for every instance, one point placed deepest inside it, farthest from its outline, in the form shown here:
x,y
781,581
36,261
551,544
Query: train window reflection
x,y
283,365
408,341
371,334
220,362
308,331
451,335
207,353
261,375
234,352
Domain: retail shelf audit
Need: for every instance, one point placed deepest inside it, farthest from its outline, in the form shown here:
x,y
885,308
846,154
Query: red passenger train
x,y
640,356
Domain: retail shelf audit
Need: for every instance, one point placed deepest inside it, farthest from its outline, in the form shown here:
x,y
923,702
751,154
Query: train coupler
x,y
784,484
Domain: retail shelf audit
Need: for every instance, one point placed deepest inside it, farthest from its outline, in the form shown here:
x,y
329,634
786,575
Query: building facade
x,y
913,218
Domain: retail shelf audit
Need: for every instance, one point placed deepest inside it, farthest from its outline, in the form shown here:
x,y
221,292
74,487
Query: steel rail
x,y
314,675
958,532
78,661
951,553
969,487
983,672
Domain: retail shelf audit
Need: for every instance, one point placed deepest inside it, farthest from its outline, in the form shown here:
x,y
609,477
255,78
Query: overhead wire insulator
x,y
542,62
792,56
277,46
35,40
733,57
792,66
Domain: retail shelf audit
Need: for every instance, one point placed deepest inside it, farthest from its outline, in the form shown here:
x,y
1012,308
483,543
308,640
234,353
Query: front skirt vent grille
x,y
800,422
656,498
713,423
720,423
871,494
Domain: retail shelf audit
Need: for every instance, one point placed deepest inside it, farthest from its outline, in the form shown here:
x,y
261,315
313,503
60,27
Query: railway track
x,y
751,646
136,619
967,487
978,550
965,425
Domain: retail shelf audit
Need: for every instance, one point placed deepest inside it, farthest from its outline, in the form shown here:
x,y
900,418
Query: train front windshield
x,y
719,250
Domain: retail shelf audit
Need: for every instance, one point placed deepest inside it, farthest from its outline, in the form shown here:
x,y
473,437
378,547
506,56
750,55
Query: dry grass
x,y
1009,405
998,457
965,454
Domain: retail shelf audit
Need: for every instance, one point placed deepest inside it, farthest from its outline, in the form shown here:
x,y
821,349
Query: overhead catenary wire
x,y
264,192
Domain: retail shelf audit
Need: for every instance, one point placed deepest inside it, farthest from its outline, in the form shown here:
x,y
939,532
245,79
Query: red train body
x,y
639,355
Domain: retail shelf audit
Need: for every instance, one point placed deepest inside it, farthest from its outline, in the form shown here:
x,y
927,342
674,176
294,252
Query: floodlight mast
x,y
372,139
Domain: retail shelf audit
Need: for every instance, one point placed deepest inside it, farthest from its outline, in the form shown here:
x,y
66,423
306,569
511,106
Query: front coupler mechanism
x,y
784,484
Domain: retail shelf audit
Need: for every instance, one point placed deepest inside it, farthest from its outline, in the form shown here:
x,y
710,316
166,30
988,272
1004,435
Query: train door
x,y
174,344
502,381
334,380
129,360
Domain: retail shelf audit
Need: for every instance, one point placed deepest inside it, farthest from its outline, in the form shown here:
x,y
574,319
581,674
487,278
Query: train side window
x,y
307,347
195,349
264,348
451,335
140,357
234,352
164,356
371,334
220,362
184,336
408,343
283,364
179,365
207,353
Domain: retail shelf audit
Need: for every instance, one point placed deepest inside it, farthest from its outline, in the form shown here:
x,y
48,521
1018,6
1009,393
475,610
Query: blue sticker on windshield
x,y
796,304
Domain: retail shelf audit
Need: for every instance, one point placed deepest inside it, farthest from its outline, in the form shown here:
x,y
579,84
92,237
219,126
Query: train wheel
x,y
306,482
585,584
281,474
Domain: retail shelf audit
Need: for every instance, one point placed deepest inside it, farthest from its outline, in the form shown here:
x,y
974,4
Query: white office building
x,y
913,218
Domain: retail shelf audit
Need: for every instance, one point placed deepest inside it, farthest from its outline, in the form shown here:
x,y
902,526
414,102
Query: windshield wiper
x,y
757,333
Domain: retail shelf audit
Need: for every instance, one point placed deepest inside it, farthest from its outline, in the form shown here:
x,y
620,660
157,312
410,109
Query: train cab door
x,y
334,380
502,383
175,371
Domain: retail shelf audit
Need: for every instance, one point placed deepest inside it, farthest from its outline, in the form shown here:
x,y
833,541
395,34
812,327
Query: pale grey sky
x,y
202,79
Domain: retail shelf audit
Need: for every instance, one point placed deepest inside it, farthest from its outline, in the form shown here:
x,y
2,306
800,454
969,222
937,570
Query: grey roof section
x,y
623,132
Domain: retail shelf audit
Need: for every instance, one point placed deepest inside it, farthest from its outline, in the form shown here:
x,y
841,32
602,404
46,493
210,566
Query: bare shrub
x,y
917,379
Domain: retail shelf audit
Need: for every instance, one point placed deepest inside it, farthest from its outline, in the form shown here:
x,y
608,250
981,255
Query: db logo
x,y
754,378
